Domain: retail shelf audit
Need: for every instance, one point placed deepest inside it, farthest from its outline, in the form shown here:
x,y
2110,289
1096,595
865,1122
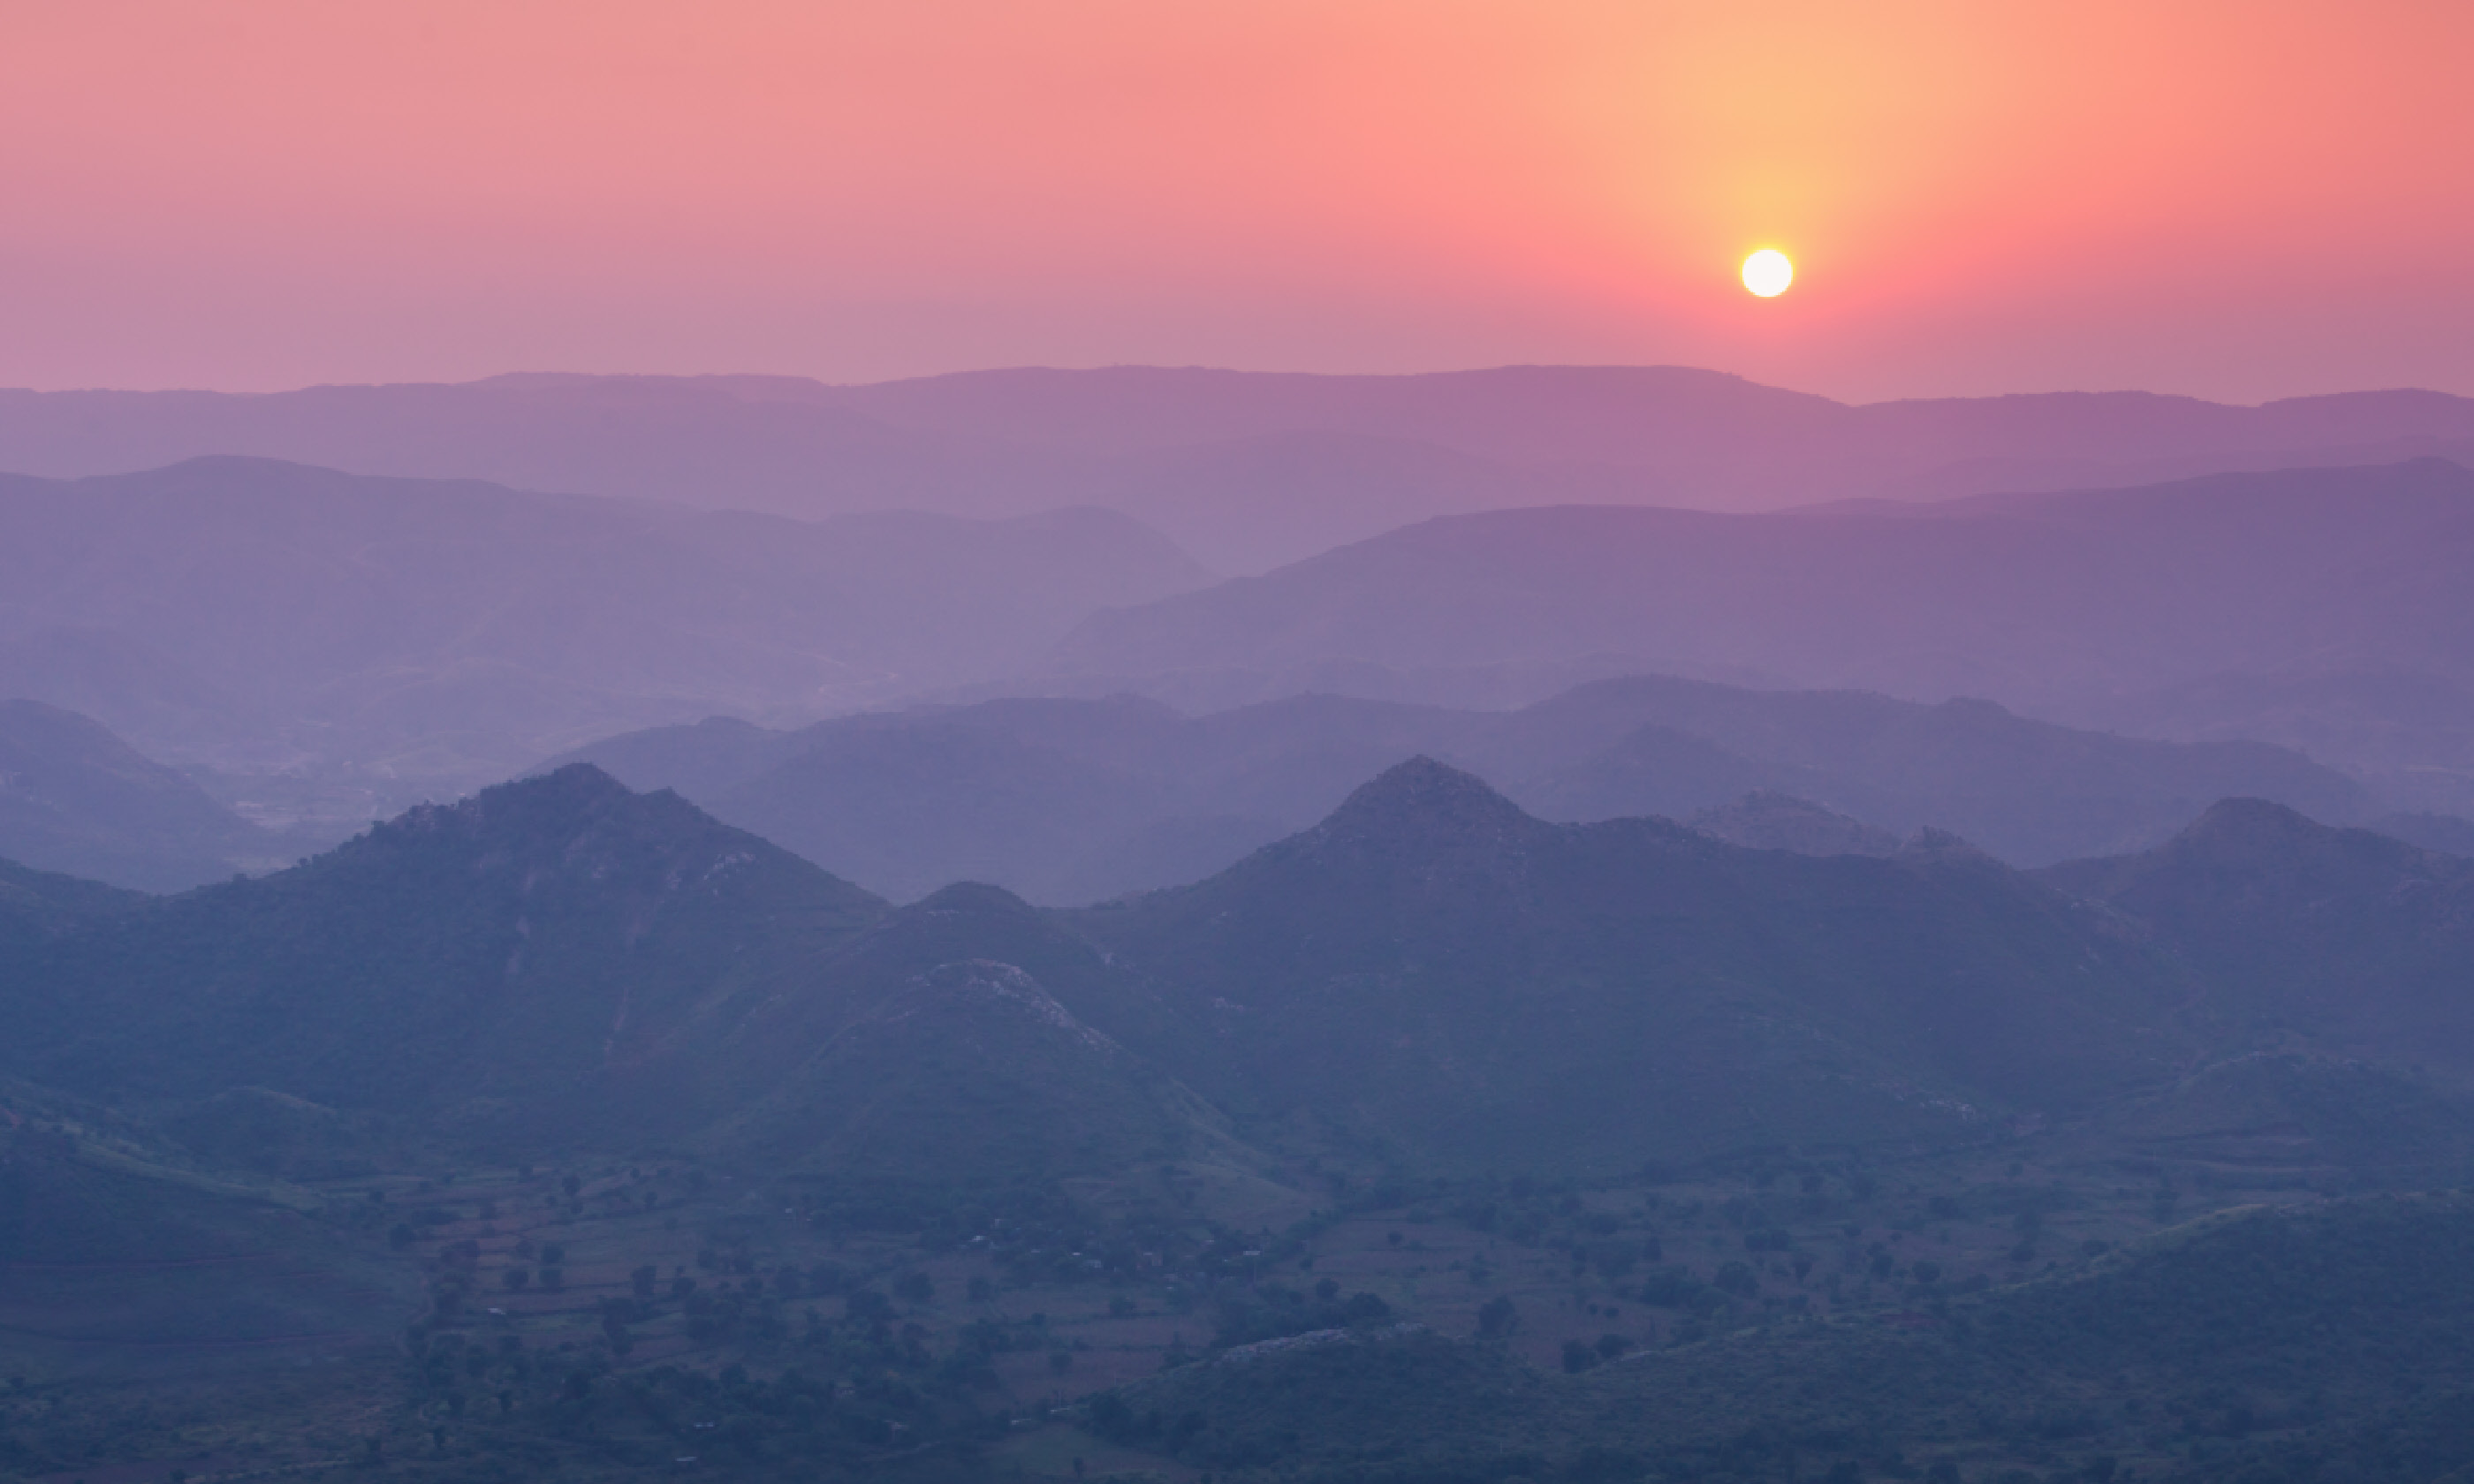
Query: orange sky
x,y
2240,199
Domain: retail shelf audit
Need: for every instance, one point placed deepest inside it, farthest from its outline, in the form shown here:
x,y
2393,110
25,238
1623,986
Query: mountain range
x,y
78,800
1070,800
1428,977
418,637
1249,471
339,646
2228,601
570,1122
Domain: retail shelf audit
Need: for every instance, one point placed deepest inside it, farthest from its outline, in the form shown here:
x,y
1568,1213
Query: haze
x,y
2235,201
1104,743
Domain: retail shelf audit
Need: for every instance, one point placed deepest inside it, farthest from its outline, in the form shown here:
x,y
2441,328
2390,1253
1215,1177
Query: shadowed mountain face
x,y
2357,941
538,944
1074,801
121,1260
562,959
1429,971
1429,976
264,616
76,799
1437,972
972,1070
1249,470
38,904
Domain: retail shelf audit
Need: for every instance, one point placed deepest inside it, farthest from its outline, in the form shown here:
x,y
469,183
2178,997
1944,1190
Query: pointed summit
x,y
2258,837
520,947
1424,803
2246,827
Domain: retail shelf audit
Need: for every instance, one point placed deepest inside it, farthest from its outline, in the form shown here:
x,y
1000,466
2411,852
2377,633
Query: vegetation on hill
x,y
559,946
1437,973
2349,940
573,1131
2252,1344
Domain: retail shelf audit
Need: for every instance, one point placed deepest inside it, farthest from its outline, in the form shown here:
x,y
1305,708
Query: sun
x,y
1767,273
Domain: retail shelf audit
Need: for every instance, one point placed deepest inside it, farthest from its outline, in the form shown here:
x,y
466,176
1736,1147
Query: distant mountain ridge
x,y
2072,606
423,637
1428,978
1070,800
1217,457
76,799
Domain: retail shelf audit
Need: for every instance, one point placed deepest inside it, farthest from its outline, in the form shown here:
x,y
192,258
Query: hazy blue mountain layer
x,y
1071,801
426,636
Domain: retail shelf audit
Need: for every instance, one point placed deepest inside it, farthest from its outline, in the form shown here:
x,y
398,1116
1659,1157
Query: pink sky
x,y
2241,199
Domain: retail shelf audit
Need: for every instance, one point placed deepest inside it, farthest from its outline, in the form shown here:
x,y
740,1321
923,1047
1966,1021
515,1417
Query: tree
x,y
1497,1319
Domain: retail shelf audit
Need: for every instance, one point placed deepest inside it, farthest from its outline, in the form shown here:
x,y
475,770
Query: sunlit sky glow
x,y
2239,200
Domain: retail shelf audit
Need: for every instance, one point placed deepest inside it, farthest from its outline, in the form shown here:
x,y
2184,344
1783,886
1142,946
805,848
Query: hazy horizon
x,y
2237,201
1294,742
957,371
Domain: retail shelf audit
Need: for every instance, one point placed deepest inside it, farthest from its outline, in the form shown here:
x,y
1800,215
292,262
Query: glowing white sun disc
x,y
1767,273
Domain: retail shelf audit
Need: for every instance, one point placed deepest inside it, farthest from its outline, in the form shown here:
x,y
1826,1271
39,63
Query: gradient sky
x,y
2241,199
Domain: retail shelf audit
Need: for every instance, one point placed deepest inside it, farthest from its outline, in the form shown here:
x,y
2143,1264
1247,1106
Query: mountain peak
x,y
1422,800
2243,828
1928,844
972,898
549,804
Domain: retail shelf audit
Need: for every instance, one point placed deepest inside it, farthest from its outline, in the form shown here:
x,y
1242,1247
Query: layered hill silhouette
x,y
78,800
560,961
2355,942
2048,600
1430,977
1442,974
1249,469
428,636
542,945
1069,801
